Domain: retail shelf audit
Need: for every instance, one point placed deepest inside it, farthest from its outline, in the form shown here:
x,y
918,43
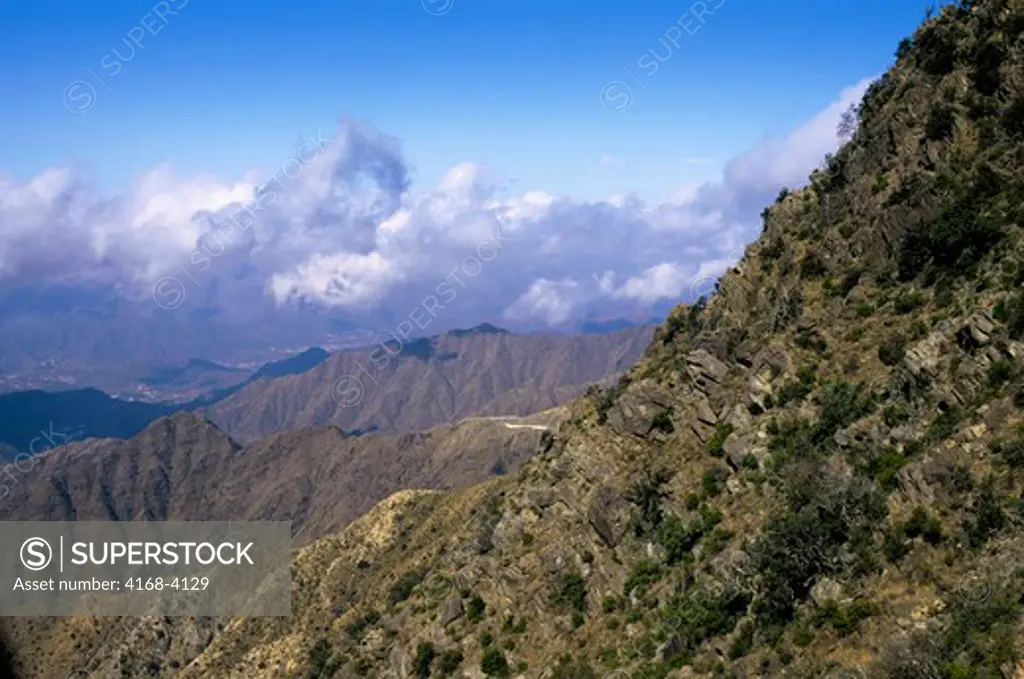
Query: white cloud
x,y
342,229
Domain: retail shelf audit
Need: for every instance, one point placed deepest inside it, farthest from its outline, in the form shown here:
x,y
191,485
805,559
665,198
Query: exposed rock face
x,y
635,411
451,610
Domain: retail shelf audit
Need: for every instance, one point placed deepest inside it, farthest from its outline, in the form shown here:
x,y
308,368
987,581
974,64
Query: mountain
x,y
177,382
293,365
484,371
183,467
815,473
428,381
173,374
33,421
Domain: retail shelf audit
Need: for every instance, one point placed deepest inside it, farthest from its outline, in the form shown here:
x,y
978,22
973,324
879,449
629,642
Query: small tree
x,y
494,664
425,654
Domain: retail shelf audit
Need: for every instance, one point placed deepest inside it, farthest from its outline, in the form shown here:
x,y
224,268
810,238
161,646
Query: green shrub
x,y
357,628
1013,118
743,641
698,615
788,556
570,592
647,493
772,250
944,425
894,415
1011,312
953,242
566,669
845,619
907,302
892,350
318,657
645,573
894,545
936,49
494,664
688,323
798,389
842,404
663,422
811,266
982,635
449,662
811,340
999,373
716,542
678,540
941,122
922,524
425,655
988,518
884,468
864,310
717,441
604,399
712,480
402,589
475,609
1011,451
986,75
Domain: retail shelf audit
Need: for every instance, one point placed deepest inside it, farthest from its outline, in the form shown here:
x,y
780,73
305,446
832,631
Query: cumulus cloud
x,y
338,226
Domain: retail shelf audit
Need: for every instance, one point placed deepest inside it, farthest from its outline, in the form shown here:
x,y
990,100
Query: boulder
x,y
735,448
451,610
600,515
705,368
635,410
704,412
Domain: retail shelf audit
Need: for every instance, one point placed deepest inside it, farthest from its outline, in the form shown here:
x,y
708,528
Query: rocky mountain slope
x,y
184,467
428,381
817,473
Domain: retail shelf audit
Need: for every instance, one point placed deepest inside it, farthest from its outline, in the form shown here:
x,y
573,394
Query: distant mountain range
x,y
411,387
170,375
429,381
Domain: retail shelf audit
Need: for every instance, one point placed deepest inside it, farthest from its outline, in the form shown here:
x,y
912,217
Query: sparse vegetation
x,y
425,655
781,558
717,440
570,592
494,663
475,609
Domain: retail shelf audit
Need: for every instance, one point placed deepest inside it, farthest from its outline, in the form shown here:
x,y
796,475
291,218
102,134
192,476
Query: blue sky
x,y
601,158
225,87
